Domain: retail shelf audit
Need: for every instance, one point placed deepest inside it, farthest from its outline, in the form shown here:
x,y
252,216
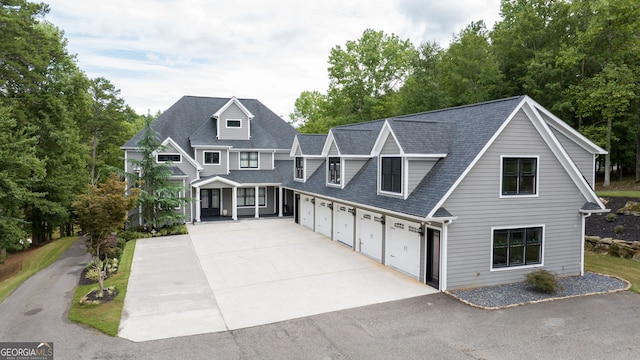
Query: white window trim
x,y
329,183
266,196
537,194
204,157
403,181
512,268
240,160
173,162
226,124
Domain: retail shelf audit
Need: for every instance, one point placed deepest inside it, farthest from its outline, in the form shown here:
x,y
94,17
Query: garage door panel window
x,y
517,247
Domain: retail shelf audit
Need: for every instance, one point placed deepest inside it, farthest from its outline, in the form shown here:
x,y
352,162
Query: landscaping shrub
x,y
618,229
611,217
543,281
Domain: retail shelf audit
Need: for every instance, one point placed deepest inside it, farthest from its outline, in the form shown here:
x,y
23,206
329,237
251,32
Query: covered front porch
x,y
219,198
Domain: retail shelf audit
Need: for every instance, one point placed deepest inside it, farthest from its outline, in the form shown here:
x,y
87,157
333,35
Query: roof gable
x,y
226,106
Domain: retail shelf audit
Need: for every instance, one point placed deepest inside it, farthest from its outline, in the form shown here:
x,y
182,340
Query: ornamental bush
x,y
543,281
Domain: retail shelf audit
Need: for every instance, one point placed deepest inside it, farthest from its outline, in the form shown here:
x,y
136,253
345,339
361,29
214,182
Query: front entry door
x,y
433,258
210,202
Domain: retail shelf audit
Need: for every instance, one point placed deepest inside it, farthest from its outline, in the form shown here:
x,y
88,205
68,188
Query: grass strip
x,y
105,317
619,193
38,260
611,265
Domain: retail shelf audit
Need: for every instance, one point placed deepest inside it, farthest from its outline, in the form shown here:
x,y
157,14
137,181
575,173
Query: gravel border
x,y
510,295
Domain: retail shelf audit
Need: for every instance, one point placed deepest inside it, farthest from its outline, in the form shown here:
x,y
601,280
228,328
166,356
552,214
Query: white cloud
x,y
156,51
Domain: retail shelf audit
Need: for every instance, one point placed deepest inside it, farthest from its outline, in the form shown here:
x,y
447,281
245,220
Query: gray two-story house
x,y
469,196
227,153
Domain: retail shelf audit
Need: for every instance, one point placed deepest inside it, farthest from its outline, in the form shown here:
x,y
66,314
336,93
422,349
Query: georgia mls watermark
x,y
26,351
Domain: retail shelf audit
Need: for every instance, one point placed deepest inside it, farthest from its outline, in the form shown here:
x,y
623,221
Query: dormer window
x,y
391,174
299,174
231,123
174,158
334,170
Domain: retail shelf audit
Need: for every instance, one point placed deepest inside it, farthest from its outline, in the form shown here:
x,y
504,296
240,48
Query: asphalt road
x,y
426,327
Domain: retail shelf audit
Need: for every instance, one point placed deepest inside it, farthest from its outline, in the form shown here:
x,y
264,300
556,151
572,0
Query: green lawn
x,y
604,264
105,317
38,260
619,193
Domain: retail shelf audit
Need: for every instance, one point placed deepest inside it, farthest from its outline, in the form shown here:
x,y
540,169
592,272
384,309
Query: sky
x,y
156,51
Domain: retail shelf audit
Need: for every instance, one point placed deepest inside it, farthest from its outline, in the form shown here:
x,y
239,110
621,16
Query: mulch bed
x,y
597,225
106,297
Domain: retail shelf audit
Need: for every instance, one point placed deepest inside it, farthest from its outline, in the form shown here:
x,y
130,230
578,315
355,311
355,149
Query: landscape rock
x,y
630,208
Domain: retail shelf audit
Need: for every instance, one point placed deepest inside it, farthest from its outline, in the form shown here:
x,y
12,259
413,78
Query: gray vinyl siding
x,y
333,150
282,156
583,159
233,113
390,147
351,168
265,160
312,165
298,151
477,204
131,154
234,160
417,171
209,169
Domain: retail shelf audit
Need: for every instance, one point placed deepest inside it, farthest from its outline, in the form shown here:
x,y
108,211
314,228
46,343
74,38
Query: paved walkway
x,y
234,275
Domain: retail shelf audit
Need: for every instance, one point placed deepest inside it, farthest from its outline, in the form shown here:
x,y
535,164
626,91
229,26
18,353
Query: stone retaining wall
x,y
621,248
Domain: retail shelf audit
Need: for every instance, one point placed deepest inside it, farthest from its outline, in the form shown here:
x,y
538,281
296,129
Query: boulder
x,y
630,208
636,256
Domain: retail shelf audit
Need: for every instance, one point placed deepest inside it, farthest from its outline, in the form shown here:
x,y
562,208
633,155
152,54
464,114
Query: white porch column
x,y
257,202
234,203
198,204
280,201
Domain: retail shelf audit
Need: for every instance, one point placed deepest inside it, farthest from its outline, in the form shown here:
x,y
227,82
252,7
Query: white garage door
x,y
306,211
402,246
369,232
343,224
323,217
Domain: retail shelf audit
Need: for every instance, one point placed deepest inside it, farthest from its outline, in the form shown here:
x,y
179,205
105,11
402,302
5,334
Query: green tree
x,y
366,75
100,213
605,54
20,168
422,91
309,112
159,196
469,70
106,127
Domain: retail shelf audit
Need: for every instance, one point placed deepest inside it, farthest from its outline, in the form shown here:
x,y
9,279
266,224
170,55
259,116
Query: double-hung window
x,y
334,170
517,247
391,175
247,197
212,157
299,167
248,160
519,176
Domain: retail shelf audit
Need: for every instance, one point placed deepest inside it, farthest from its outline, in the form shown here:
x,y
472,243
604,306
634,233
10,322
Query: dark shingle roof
x,y
357,139
465,131
188,122
311,144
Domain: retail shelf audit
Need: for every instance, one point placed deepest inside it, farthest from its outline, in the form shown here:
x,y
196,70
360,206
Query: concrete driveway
x,y
234,275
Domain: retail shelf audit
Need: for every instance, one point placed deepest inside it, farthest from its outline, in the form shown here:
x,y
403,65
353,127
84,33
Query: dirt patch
x,y
13,263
